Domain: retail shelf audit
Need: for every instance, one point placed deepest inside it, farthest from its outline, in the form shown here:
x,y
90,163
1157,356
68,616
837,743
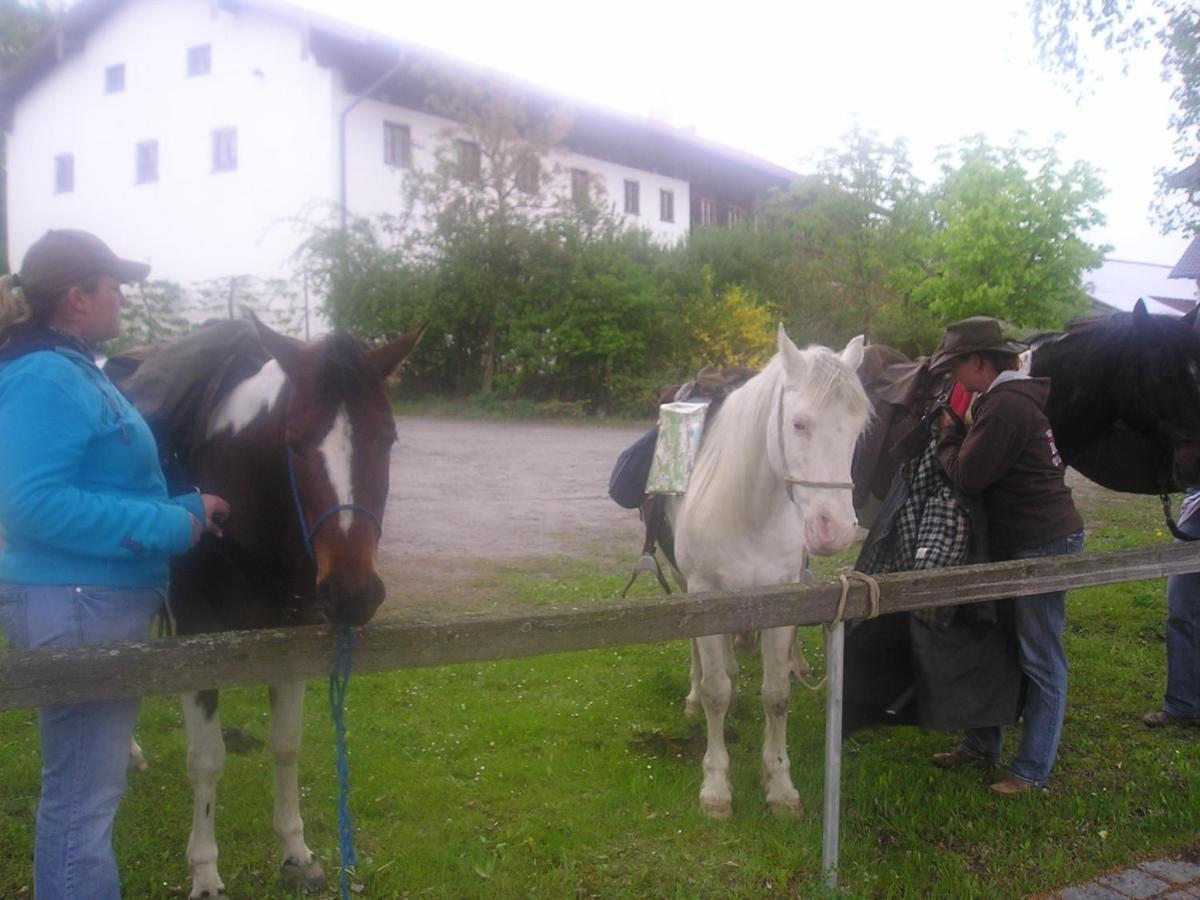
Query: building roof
x,y
1118,284
1189,264
363,56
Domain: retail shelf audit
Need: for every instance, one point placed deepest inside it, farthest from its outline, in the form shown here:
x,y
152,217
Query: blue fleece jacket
x,y
82,495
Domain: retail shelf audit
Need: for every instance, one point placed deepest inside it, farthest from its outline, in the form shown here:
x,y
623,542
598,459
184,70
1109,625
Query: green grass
x,y
577,775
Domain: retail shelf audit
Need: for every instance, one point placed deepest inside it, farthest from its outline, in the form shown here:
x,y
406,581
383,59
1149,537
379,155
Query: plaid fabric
x,y
931,529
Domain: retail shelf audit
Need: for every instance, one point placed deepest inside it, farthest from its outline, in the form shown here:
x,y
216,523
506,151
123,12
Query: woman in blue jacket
x,y
87,530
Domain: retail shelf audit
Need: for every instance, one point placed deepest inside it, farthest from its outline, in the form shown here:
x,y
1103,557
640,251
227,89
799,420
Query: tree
x,y
490,187
1068,31
21,24
1005,240
858,233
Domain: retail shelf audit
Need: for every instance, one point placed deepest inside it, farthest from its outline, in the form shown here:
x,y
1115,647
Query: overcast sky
x,y
784,80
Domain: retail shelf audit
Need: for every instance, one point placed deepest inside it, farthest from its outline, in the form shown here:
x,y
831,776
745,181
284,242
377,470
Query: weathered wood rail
x,y
102,671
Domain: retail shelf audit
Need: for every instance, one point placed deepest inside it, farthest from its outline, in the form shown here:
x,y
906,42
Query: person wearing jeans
x,y
1040,620
1007,457
1181,703
88,531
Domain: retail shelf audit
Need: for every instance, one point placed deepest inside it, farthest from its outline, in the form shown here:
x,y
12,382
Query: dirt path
x,y
471,498
473,501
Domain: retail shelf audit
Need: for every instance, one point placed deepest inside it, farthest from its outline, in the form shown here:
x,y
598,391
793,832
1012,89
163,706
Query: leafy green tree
x,y
153,312
1069,32
491,185
21,24
858,231
1006,237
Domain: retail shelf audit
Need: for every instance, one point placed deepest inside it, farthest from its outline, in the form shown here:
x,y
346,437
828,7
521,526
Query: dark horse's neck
x,y
259,574
1119,388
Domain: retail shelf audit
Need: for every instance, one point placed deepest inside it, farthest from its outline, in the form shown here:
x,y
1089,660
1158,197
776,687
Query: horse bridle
x,y
305,531
801,482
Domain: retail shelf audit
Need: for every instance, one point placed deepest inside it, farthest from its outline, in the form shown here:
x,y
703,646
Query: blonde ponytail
x,y
14,308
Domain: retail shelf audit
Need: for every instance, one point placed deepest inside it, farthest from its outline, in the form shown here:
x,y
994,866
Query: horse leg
x,y
300,869
205,762
782,797
137,759
691,703
716,693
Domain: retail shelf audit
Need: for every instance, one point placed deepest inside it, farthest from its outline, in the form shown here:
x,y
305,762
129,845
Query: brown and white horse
x,y
301,448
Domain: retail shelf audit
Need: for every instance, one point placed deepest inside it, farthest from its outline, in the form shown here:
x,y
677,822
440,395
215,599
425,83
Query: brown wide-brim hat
x,y
978,334
65,257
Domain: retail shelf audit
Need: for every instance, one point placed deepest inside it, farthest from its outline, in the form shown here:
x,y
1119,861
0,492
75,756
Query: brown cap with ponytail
x,y
64,257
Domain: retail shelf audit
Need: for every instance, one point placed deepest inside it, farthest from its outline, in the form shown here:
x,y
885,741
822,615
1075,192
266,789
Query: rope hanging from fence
x,y
339,680
872,598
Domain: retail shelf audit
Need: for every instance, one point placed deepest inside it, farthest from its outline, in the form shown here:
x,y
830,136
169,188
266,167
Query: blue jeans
x,y
85,746
1040,622
1183,638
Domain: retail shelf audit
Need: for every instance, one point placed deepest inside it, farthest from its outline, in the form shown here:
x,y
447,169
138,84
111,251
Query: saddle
x,y
177,386
627,484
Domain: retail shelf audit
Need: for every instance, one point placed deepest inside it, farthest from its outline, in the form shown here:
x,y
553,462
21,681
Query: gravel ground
x,y
470,498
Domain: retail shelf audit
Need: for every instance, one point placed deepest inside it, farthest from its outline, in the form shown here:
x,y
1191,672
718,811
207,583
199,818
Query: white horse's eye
x,y
800,426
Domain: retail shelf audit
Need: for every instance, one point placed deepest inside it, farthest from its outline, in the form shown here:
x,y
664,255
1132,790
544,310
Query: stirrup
x,y
647,563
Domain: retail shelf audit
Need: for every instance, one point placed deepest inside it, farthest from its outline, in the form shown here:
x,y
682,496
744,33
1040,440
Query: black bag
x,y
627,483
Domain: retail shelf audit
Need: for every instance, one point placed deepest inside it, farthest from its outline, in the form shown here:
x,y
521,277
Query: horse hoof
x,y
716,809
785,809
302,877
201,893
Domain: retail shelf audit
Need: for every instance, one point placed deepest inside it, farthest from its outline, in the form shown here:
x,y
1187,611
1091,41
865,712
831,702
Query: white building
x,y
203,135
1118,284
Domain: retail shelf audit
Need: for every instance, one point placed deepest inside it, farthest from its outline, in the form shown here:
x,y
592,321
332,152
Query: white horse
x,y
771,484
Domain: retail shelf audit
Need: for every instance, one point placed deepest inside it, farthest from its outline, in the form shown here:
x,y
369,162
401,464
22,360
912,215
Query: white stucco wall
x,y
193,224
375,188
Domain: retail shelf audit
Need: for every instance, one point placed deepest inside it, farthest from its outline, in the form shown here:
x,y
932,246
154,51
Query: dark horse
x,y
1124,403
298,438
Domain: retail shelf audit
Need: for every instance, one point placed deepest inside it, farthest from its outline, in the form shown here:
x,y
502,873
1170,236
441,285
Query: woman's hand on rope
x,y
216,511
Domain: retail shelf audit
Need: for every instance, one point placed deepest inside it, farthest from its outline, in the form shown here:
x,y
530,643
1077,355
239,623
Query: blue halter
x,y
308,533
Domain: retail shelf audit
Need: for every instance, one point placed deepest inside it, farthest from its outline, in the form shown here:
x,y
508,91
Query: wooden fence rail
x,y
102,671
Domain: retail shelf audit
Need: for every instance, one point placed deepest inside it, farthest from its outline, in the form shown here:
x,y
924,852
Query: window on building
x,y
147,162
199,60
666,205
469,167
708,212
632,198
64,173
397,145
114,79
529,175
224,150
580,185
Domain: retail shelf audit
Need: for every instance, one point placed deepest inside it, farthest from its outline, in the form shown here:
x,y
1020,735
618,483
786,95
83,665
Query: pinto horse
x,y
298,437
1124,403
771,483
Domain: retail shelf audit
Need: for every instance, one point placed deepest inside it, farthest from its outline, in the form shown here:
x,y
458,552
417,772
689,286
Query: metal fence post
x,y
831,820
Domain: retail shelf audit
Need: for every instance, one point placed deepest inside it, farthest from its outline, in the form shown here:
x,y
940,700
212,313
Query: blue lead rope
x,y
339,680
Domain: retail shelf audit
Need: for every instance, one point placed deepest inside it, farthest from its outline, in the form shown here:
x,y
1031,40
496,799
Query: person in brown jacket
x,y
1008,458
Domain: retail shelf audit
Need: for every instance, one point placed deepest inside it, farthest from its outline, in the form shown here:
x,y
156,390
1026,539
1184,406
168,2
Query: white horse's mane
x,y
733,455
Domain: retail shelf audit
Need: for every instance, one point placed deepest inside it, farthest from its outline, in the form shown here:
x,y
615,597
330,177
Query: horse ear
x,y
387,359
1141,316
853,354
793,359
287,351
